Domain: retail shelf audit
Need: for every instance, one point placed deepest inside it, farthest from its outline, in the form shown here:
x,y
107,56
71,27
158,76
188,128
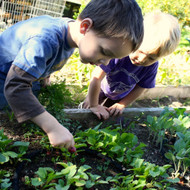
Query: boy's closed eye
x,y
152,58
107,53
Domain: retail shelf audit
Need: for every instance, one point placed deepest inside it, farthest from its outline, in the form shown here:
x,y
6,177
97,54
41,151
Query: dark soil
x,y
40,157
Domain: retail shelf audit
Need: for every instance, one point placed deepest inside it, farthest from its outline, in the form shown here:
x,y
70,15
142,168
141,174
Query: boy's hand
x,y
86,104
100,111
116,109
58,135
61,137
46,82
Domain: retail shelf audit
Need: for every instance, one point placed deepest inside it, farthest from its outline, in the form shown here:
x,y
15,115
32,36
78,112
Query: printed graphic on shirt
x,y
119,81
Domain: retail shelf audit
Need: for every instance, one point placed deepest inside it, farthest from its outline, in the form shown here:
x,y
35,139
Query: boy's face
x,y
144,57
97,50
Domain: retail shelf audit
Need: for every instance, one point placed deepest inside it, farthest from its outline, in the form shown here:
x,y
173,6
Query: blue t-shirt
x,y
122,76
38,45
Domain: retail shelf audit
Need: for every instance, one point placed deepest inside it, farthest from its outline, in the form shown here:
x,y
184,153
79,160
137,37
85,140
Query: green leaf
x,y
120,159
4,184
3,158
42,172
72,171
36,182
170,188
99,144
89,184
91,140
84,168
116,148
179,144
102,182
175,180
154,174
59,187
150,119
20,143
11,154
137,163
80,183
169,156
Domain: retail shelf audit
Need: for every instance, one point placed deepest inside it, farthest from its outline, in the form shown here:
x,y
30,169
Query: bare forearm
x,y
93,93
58,135
132,96
46,121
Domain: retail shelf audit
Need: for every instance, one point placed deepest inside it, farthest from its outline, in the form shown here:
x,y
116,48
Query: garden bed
x,y
144,156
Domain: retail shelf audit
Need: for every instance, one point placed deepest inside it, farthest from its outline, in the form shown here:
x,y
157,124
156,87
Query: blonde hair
x,y
161,33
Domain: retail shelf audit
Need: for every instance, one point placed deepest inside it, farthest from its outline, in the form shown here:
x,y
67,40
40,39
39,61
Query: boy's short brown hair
x,y
116,18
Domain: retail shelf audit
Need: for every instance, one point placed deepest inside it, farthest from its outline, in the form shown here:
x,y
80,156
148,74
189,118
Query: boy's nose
x,y
142,57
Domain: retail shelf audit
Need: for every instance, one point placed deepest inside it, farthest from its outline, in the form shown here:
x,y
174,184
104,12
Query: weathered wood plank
x,y
128,112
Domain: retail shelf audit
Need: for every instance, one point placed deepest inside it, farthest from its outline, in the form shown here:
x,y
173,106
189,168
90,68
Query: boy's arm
x,y
92,98
57,134
118,108
26,106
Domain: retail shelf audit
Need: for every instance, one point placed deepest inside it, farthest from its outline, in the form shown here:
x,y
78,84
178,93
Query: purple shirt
x,y
122,76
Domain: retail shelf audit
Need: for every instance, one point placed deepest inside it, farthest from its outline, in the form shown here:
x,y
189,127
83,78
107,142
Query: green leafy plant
x,y
158,127
11,150
55,97
122,147
150,175
168,122
45,178
67,177
5,181
180,154
144,175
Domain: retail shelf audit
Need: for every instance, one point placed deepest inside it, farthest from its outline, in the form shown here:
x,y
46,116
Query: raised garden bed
x,y
121,154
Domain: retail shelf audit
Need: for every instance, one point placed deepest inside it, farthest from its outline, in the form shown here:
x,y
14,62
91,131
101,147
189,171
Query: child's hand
x,y
100,111
46,82
61,137
116,109
85,104
58,135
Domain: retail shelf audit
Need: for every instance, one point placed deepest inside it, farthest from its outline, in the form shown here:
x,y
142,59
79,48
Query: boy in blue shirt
x,y
127,78
31,50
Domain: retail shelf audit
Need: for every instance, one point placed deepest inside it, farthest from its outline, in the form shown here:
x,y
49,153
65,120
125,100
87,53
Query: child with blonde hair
x,y
116,85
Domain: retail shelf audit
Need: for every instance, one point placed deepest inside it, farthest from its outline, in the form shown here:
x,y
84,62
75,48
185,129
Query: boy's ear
x,y
85,25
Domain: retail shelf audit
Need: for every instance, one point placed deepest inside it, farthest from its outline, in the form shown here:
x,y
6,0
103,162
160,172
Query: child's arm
x,y
92,98
57,134
26,106
118,108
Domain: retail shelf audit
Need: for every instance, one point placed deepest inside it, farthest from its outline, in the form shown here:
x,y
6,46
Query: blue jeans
x,y
3,102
